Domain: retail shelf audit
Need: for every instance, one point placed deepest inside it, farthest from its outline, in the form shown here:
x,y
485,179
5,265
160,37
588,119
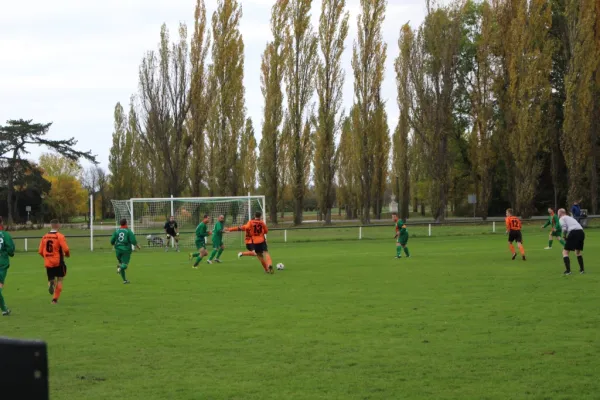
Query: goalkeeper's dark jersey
x,y
170,227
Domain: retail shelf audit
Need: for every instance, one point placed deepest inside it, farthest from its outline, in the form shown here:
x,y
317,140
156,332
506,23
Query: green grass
x,y
345,320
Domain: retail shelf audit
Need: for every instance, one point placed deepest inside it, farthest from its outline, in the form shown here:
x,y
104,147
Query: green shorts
x,y
402,239
200,244
557,234
3,272
123,256
217,243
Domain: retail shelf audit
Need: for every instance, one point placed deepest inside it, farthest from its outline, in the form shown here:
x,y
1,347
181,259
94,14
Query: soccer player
x,y
172,230
217,240
54,249
7,250
513,229
201,233
123,240
401,236
575,238
256,229
556,232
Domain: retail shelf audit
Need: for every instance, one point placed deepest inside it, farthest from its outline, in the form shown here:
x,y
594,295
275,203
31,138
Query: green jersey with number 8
x,y
123,239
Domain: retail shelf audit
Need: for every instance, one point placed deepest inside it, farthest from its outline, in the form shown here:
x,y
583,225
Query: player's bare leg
x,y
3,307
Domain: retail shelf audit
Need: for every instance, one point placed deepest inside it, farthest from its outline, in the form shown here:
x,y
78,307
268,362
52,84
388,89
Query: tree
x,y
67,198
200,97
272,69
248,158
348,174
227,116
333,30
55,164
530,63
94,180
164,94
580,136
16,136
401,165
477,77
433,72
381,153
301,63
368,58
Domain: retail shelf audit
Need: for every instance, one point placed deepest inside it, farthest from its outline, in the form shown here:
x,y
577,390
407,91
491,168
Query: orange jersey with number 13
x,y
513,224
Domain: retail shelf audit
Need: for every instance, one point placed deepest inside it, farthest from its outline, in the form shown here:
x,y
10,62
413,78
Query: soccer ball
x,y
280,266
149,237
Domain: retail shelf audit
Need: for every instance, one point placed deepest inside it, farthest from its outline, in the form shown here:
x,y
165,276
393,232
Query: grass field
x,y
345,320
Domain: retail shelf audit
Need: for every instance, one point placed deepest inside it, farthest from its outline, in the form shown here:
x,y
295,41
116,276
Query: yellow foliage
x,y
67,198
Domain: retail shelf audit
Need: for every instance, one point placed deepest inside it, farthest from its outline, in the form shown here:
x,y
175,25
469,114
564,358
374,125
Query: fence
x,y
100,240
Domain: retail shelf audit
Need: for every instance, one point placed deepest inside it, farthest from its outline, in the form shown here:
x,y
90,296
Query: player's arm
x,y
133,240
9,245
62,241
547,223
507,222
41,248
113,238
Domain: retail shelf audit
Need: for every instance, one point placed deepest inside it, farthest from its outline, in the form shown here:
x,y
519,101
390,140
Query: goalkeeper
x,y
172,230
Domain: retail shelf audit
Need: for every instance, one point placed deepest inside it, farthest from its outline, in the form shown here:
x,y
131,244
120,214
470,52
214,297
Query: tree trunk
x,y
9,197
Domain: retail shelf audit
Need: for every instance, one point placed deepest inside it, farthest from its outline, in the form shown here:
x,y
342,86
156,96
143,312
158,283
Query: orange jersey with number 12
x,y
513,224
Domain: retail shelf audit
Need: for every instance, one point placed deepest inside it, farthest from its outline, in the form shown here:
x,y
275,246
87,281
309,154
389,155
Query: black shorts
x,y
515,236
260,248
249,247
56,272
575,240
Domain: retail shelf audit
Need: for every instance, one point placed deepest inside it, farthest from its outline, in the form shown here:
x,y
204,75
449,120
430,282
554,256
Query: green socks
x,y
406,252
562,242
219,254
2,303
398,251
213,254
550,243
195,255
198,260
123,268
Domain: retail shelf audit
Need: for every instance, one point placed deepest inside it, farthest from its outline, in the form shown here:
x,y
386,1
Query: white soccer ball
x,y
149,237
280,266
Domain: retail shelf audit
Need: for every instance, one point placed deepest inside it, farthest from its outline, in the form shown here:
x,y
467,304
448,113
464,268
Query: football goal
x,y
147,217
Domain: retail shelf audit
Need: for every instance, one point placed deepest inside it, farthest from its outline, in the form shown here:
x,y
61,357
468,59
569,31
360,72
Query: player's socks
x,y
562,242
406,252
567,261
195,255
512,248
2,302
248,254
580,261
212,255
122,272
219,254
57,291
198,261
550,243
268,260
522,250
398,251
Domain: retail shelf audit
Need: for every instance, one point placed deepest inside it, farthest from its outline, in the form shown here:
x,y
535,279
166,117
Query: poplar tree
x,y
333,30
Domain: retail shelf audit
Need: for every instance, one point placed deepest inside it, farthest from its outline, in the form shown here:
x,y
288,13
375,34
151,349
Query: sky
x,y
70,61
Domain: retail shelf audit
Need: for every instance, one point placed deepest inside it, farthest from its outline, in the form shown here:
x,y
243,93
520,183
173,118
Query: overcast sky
x,y
70,61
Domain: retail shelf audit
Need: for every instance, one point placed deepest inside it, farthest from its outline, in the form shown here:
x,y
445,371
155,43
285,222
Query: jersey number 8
x,y
121,236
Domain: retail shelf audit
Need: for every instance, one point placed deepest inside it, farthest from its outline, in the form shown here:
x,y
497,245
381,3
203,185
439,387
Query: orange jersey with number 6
x,y
54,248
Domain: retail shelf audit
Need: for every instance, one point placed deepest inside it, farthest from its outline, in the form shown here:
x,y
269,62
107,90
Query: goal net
x,y
147,217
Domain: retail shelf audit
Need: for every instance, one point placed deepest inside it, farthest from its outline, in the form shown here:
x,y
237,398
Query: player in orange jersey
x,y
513,229
54,249
256,242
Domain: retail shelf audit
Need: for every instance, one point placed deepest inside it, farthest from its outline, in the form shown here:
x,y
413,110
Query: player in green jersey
x,y
7,250
217,240
556,232
401,236
123,240
201,233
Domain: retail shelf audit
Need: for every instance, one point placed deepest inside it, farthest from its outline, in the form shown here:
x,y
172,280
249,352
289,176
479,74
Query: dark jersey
x,y
170,227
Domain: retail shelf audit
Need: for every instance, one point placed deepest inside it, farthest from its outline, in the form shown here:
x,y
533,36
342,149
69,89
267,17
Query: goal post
x,y
147,216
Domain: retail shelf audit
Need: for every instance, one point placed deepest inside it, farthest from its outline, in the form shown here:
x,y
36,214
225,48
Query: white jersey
x,y
569,224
